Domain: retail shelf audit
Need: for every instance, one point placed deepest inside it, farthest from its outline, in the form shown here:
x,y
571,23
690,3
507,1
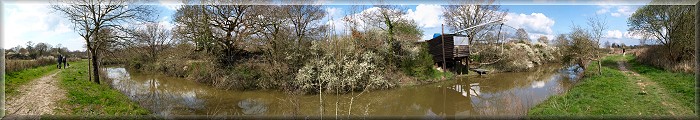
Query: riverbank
x,y
623,92
85,98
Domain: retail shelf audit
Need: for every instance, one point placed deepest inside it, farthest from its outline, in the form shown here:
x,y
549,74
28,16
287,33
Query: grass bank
x,y
84,97
613,93
13,80
679,85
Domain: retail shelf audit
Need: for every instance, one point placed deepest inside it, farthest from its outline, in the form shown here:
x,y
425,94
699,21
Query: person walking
x,y
59,60
65,61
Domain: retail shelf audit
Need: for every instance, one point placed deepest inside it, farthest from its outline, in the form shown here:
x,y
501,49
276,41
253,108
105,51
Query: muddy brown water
x,y
493,94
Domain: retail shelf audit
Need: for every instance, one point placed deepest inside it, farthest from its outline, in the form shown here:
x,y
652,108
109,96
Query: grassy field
x,y
84,97
679,85
18,78
613,93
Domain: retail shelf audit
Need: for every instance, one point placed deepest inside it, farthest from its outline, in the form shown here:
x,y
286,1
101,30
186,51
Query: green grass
x,y
13,80
679,85
85,97
612,93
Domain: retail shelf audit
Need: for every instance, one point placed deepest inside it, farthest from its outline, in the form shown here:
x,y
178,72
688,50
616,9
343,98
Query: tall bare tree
x,y
522,35
153,38
597,27
471,13
561,41
238,23
192,26
305,20
389,19
92,16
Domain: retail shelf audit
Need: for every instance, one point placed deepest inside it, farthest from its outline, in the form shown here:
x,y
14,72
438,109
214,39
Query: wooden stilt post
x,y
442,35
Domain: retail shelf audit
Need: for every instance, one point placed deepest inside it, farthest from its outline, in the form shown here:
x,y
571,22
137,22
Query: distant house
x,y
456,51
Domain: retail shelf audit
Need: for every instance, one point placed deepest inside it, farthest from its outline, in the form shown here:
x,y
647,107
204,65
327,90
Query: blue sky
x,y
36,22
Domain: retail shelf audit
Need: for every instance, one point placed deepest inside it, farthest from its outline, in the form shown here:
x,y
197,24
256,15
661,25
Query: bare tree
x,y
30,49
306,26
471,13
646,38
522,35
287,35
305,20
386,18
154,39
192,26
234,24
42,48
543,39
597,26
90,17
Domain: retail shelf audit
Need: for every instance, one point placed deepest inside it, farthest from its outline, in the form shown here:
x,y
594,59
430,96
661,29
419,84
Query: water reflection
x,y
252,107
160,96
494,94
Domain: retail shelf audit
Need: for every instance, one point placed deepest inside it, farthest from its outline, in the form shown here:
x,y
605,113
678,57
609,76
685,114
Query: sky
x,y
36,22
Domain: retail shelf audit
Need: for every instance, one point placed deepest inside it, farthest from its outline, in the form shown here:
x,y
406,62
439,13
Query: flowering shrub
x,y
334,70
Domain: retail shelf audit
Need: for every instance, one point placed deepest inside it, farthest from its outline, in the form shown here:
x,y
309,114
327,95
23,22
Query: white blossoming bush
x,y
521,56
341,69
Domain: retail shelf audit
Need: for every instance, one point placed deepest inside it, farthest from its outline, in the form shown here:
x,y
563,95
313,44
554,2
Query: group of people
x,y
62,59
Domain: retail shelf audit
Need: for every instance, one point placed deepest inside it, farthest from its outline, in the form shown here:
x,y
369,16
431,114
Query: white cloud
x,y
615,14
604,9
171,4
332,11
630,35
616,34
427,15
36,23
624,11
337,24
165,22
533,23
619,10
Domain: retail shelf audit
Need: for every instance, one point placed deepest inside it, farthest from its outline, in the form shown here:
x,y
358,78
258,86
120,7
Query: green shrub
x,y
420,65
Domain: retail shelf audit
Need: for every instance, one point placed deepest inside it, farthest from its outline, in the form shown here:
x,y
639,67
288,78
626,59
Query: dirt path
x,y
648,87
38,97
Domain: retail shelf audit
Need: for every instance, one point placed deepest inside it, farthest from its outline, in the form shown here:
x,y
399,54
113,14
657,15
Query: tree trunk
x,y
582,64
95,68
599,67
89,65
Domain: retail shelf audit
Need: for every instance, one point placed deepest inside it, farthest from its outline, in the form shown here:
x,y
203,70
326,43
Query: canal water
x,y
493,94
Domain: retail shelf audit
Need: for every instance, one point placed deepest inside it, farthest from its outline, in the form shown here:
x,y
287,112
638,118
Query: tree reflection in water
x,y
493,94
